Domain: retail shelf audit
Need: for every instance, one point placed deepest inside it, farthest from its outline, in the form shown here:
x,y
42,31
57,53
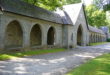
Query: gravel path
x,y
52,64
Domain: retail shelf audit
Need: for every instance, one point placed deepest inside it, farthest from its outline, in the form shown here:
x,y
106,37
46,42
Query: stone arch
x,y
99,38
96,37
36,35
72,37
51,36
80,35
13,35
90,38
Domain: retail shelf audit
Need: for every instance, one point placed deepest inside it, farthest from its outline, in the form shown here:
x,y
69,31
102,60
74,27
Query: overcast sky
x,y
87,2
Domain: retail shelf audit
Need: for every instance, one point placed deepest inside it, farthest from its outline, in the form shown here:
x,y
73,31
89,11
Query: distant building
x,y
105,29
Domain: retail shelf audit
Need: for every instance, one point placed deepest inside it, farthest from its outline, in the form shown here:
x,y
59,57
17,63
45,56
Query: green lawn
x,y
97,66
12,55
98,43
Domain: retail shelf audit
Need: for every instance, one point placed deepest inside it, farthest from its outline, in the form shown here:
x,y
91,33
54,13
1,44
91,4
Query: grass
x,y
12,55
97,66
98,43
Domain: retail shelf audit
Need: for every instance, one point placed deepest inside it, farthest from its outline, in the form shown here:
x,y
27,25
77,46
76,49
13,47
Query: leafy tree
x,y
95,16
72,1
51,4
47,4
102,4
108,18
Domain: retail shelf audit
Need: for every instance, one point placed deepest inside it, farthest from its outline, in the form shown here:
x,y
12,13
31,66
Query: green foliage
x,y
108,18
51,4
97,66
98,3
47,4
108,40
72,1
107,7
12,55
102,4
95,16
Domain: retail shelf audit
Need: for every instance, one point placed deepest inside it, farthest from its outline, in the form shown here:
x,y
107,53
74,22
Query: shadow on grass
x,y
97,66
11,55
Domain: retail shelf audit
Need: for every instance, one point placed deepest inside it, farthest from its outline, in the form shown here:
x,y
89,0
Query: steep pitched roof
x,y
65,17
93,29
22,8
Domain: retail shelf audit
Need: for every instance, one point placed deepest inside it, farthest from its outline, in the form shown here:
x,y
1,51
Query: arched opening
x,y
36,36
13,35
51,36
72,37
79,36
94,38
90,38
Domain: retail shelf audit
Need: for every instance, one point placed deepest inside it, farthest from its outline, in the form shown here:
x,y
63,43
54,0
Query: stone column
x,y
44,36
26,40
2,36
26,35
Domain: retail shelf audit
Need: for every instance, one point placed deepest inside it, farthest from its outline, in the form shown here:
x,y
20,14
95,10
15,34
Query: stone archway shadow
x,y
80,36
13,35
51,36
36,36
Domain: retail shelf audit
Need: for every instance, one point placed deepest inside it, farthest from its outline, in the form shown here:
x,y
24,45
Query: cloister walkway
x,y
53,63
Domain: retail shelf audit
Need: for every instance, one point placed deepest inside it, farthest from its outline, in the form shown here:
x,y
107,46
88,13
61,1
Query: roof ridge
x,y
26,9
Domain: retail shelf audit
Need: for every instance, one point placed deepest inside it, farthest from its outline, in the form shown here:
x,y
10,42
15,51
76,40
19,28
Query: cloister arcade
x,y
22,28
14,35
96,37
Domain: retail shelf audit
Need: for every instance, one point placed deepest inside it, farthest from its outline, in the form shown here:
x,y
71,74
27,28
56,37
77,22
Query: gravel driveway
x,y
52,64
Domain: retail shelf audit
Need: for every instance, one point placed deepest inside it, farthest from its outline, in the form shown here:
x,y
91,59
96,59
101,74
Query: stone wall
x,y
27,27
96,37
26,33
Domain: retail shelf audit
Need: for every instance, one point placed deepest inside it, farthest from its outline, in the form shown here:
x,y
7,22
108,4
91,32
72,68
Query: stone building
x,y
24,27
96,35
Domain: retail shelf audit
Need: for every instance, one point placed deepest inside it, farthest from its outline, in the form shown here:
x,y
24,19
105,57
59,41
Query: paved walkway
x,y
52,64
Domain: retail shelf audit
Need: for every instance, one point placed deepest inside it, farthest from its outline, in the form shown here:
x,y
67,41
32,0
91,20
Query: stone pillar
x,y
2,36
45,29
44,37
26,40
26,35
2,32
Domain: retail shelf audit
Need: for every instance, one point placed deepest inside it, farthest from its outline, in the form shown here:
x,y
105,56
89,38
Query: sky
x,y
87,2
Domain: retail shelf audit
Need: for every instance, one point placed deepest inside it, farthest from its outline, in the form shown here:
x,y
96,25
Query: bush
x,y
108,40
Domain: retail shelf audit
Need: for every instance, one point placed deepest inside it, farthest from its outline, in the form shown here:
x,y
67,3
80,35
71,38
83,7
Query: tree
x,y
95,16
102,4
72,1
47,4
51,4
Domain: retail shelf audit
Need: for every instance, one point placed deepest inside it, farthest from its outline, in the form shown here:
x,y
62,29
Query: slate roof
x,y
22,8
93,29
65,17
68,16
